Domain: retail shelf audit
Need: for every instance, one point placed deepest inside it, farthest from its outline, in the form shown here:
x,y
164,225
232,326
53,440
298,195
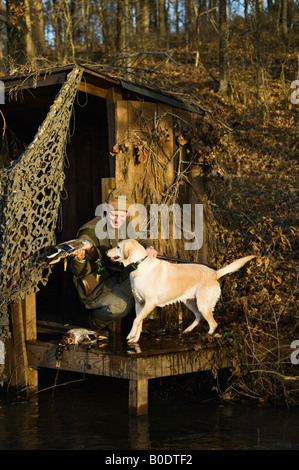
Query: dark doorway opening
x,y
86,164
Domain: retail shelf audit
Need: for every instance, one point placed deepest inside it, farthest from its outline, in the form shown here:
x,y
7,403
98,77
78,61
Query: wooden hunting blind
x,y
71,134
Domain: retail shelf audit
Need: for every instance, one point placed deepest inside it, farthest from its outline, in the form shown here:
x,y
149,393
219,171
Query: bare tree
x,y
35,36
161,19
57,23
153,16
284,19
142,21
121,26
223,48
144,11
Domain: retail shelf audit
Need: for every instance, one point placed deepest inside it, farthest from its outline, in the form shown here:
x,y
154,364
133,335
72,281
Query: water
x,y
92,415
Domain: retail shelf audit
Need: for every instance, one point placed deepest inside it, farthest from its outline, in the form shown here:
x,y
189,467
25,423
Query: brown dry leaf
x,y
182,141
217,335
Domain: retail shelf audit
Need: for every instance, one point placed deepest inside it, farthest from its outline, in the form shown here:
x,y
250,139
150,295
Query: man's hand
x,y
151,252
79,255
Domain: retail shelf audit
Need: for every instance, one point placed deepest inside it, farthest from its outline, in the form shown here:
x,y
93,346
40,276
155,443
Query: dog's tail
x,y
231,268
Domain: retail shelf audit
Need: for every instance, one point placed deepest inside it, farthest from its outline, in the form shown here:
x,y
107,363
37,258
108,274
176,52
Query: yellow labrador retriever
x,y
156,283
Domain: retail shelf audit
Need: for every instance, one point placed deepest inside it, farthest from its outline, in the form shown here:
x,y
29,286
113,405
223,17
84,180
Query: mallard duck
x,y
79,336
69,248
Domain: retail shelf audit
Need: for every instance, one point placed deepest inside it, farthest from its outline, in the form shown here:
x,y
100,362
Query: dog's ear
x,y
127,251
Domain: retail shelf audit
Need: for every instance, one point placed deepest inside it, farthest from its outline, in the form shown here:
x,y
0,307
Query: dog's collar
x,y
133,266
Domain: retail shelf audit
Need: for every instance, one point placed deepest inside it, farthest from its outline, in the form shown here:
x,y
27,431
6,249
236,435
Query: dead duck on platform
x,y
77,336
80,336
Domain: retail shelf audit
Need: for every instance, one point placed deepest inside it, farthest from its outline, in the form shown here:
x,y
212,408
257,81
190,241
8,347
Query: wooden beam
x,y
92,89
138,397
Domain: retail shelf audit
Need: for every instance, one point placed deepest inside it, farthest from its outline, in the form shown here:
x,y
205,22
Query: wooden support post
x,y
116,327
29,318
23,320
138,397
18,363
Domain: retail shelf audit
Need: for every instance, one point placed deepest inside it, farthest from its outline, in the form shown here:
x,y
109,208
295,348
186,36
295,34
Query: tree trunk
x,y
121,26
270,6
284,20
15,28
260,85
153,16
197,32
69,49
246,11
223,47
177,16
142,21
161,19
34,18
101,9
57,25
144,11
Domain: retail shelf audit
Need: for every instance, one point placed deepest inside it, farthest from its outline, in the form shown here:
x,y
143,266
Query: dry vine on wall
x,y
165,157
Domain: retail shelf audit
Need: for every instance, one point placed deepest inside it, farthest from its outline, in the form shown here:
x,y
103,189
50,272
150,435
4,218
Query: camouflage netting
x,y
29,203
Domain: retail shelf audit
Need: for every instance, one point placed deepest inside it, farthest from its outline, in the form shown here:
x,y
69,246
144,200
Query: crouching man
x,y
104,288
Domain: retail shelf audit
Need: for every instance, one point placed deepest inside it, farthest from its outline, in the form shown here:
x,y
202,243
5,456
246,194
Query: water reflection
x,y
93,415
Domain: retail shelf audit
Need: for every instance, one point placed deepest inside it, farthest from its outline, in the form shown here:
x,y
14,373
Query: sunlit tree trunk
x,y
144,12
35,35
142,21
68,45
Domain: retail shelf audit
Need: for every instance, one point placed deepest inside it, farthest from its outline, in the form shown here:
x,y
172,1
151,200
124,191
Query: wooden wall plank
x,y
107,184
29,316
113,96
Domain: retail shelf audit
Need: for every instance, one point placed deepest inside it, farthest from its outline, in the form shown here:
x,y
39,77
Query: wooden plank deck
x,y
138,364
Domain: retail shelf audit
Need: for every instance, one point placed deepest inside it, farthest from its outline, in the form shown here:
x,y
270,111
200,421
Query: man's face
x,y
115,218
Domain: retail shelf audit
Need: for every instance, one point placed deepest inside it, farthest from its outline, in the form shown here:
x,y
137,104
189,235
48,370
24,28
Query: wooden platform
x,y
151,358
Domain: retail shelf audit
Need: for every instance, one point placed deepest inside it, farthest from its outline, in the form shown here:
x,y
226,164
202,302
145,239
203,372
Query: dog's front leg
x,y
142,311
136,327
